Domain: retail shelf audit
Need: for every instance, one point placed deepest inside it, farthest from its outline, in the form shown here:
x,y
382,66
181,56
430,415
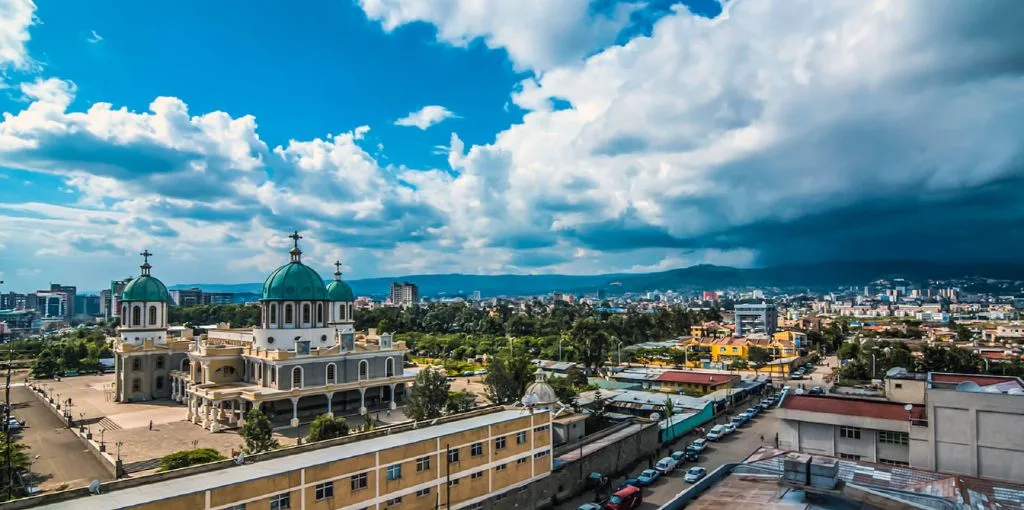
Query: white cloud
x,y
94,37
426,117
16,16
538,34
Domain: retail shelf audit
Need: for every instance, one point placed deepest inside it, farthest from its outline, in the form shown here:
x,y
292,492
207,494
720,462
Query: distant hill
x,y
707,277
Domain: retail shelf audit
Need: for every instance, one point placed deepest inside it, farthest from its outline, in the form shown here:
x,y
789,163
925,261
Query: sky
x,y
521,136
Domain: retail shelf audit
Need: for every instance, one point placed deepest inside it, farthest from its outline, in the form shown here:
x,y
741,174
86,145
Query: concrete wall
x,y
975,434
907,391
314,371
820,434
147,374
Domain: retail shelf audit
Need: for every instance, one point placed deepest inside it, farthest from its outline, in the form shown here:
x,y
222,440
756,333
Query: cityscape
x,y
425,254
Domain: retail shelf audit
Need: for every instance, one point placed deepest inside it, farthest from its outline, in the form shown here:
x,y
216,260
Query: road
x,y
733,448
62,457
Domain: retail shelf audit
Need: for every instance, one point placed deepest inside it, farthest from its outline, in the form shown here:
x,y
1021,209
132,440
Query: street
x,y
62,458
735,447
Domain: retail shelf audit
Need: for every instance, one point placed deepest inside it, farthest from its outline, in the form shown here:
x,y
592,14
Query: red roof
x,y
852,407
982,380
696,378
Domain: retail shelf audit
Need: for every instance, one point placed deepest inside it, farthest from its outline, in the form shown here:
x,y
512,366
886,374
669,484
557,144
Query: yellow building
x,y
474,460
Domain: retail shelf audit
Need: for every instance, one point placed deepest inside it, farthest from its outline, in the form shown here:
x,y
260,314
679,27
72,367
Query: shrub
x,y
186,458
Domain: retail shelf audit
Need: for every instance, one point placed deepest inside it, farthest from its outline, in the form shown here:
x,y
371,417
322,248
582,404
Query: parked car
x,y
589,506
14,425
716,433
625,499
629,481
730,428
666,465
647,477
678,456
699,445
596,480
796,375
753,411
737,420
746,416
692,454
694,474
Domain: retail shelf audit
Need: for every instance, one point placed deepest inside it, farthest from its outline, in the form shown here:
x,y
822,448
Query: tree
x,y
44,366
258,433
849,350
325,427
564,390
459,402
575,377
429,395
758,357
186,458
507,377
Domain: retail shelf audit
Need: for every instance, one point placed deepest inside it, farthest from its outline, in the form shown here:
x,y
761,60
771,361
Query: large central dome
x,y
145,288
294,281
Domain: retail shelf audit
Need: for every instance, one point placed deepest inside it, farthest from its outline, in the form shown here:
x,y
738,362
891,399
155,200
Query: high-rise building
x,y
187,297
49,301
476,295
116,289
404,293
87,306
217,298
13,301
756,318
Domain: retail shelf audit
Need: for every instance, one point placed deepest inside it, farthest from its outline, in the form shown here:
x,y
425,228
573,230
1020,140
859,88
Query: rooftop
x,y
231,475
852,407
981,380
696,378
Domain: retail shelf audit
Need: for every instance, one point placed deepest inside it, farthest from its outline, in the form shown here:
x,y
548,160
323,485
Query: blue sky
x,y
576,136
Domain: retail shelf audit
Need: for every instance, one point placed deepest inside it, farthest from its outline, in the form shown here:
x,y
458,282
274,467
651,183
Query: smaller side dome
x,y
338,290
540,392
145,287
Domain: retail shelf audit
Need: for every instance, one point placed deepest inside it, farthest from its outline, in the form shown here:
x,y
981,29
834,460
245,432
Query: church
x,y
303,357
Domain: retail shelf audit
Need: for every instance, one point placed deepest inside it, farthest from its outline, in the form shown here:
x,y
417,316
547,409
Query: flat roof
x,y
852,407
697,378
156,491
980,380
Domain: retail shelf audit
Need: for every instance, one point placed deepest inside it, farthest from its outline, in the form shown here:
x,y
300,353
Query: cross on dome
x,y
295,252
337,270
145,262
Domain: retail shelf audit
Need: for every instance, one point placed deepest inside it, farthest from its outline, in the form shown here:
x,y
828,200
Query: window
x,y
152,315
893,437
159,382
273,313
136,364
281,502
331,376
359,481
319,313
849,432
389,367
542,428
501,467
136,384
899,386
453,482
273,375
288,313
540,455
324,490
476,450
297,377
453,455
522,460
305,313
160,362
240,506
735,350
423,492
478,474
422,464
136,315
847,456
499,443
393,501
893,462
364,369
394,472
521,438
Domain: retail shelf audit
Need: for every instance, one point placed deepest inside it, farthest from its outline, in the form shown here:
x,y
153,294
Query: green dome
x,y
338,290
294,281
145,288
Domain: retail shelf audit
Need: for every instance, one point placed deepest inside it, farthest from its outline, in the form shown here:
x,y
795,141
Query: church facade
x,y
304,357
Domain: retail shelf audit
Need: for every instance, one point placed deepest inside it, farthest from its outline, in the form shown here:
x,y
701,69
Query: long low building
x,y
479,461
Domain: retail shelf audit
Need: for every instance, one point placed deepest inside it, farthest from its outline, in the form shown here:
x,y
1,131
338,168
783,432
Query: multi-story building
x,y
218,298
116,289
58,297
404,293
13,301
87,306
304,354
755,318
187,297
952,423
493,460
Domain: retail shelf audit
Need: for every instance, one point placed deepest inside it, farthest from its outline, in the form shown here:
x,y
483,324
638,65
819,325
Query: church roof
x,y
338,290
294,281
145,288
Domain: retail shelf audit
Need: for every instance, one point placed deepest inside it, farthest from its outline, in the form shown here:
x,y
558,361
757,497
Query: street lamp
x,y
618,352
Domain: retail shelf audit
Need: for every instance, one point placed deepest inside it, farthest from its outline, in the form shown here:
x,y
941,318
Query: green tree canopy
x,y
325,427
429,395
507,377
258,433
186,458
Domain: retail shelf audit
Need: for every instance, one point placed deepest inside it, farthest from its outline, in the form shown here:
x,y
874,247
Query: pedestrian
x,y
762,438
150,424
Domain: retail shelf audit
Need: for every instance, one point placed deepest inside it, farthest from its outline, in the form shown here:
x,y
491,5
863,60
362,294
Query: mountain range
x,y
699,277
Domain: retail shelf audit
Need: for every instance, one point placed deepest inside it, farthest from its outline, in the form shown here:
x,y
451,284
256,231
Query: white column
x,y
362,400
330,397
295,412
394,398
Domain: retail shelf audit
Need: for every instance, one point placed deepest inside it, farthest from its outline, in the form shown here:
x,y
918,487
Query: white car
x,y
700,444
717,432
695,474
730,428
666,465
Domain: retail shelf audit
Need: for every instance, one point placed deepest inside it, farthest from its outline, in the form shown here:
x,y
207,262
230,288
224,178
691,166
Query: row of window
x,y
137,315
884,436
289,313
394,471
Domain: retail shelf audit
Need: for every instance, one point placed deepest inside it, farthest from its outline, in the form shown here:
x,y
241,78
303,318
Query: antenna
x,y
94,487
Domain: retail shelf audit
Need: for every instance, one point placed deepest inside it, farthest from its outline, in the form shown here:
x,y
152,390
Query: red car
x,y
626,499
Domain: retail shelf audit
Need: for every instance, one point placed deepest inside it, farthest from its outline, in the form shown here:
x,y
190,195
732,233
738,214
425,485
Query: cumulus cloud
x,y
94,37
426,117
16,16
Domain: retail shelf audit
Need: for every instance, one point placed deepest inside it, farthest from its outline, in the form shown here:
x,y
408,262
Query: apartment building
x,y
473,463
756,318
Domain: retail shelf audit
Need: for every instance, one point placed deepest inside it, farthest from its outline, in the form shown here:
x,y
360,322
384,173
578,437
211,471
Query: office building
x,y
476,296
87,306
404,293
13,301
470,463
187,297
58,297
116,289
952,423
756,318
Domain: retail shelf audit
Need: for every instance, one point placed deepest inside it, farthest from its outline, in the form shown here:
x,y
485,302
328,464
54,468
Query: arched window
x,y
136,315
184,365
273,313
389,367
159,362
331,374
159,383
305,313
124,314
297,377
364,370
288,313
136,385
319,313
152,315
136,364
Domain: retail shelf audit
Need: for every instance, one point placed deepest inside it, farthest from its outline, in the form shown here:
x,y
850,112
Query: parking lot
x,y
733,448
